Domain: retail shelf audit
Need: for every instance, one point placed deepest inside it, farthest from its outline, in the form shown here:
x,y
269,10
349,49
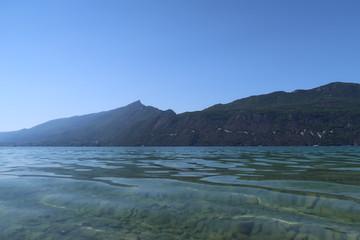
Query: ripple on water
x,y
179,193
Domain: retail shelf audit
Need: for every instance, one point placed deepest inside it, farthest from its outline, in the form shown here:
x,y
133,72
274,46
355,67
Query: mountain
x,y
92,129
326,115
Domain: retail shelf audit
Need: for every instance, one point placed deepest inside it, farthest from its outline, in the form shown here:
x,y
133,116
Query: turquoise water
x,y
180,193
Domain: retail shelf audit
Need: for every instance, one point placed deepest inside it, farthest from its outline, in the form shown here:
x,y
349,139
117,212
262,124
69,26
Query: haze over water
x,y
180,193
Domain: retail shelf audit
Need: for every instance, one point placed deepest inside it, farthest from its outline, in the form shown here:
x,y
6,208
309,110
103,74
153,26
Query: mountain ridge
x,y
325,115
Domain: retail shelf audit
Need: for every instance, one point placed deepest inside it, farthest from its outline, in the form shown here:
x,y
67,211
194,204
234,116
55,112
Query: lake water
x,y
180,193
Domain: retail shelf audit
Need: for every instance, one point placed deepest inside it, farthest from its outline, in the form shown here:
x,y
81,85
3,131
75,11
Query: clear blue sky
x,y
60,58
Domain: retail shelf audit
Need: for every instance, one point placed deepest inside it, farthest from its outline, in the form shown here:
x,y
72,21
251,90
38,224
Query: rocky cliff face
x,y
260,128
327,115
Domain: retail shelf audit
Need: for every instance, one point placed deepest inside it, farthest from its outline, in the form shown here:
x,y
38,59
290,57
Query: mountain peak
x,y
138,102
135,104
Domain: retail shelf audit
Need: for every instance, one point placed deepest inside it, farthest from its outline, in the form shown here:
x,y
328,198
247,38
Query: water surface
x,y
180,193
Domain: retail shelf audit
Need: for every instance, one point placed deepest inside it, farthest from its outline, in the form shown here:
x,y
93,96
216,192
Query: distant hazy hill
x,y
92,129
327,115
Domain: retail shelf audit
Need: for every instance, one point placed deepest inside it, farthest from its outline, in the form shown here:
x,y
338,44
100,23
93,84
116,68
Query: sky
x,y
62,58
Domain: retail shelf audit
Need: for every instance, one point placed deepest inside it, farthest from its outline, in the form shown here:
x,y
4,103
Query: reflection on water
x,y
180,193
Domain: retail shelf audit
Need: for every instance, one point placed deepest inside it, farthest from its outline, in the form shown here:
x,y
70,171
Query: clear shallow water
x,y
180,193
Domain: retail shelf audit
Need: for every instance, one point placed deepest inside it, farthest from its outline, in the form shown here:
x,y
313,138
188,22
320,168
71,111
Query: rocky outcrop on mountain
x,y
327,115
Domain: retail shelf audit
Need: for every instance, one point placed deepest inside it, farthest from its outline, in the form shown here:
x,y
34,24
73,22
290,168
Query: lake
x,y
180,193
